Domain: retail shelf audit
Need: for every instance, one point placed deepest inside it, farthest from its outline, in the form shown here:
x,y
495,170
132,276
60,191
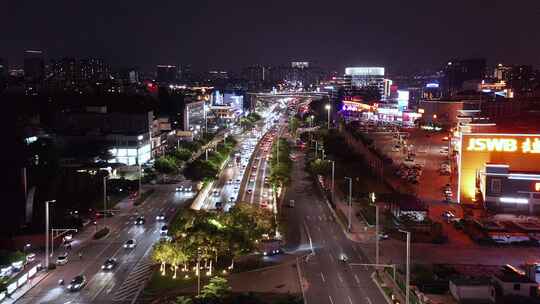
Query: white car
x,y
130,244
62,259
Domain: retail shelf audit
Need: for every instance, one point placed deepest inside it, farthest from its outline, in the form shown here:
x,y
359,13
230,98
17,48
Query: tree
x,y
294,123
216,290
177,256
182,300
161,255
181,154
320,167
166,165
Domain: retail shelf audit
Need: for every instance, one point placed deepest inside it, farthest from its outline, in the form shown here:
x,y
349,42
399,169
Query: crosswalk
x,y
135,281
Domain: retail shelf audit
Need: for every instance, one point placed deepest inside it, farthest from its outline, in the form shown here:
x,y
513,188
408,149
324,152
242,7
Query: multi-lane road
x,y
326,279
125,282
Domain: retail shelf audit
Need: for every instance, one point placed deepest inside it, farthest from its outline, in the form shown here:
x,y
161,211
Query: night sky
x,y
401,35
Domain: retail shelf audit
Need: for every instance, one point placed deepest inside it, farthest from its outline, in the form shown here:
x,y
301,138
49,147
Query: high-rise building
x,y
523,79
501,72
166,74
34,66
457,72
359,78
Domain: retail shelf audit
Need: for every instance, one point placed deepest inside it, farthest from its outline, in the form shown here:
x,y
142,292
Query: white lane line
x,y
368,300
340,278
357,279
350,300
322,276
331,257
330,298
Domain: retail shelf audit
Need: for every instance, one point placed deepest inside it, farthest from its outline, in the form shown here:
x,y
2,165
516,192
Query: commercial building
x,y
366,77
458,72
34,66
126,135
499,165
166,74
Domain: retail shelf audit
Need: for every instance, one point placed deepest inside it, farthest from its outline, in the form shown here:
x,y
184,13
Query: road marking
x,y
368,300
340,278
350,300
322,276
357,279
320,218
331,257
330,298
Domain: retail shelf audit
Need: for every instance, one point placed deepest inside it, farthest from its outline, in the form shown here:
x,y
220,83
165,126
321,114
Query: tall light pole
x,y
47,232
377,232
105,192
350,202
139,138
408,267
328,107
333,171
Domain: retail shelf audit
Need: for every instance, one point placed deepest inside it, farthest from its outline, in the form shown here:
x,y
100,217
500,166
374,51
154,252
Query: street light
x,y
47,232
328,107
408,266
350,201
333,171
377,232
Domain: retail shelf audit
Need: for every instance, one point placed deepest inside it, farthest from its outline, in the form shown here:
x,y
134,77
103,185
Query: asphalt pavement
x,y
124,283
326,279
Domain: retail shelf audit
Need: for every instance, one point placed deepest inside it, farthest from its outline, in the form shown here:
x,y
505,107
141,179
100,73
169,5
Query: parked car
x,y
62,259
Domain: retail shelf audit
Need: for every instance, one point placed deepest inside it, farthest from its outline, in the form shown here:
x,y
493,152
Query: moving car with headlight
x,y
139,220
130,244
109,264
160,217
77,283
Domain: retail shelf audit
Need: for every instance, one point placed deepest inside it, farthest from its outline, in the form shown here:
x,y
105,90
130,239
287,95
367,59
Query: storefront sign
x,y
522,145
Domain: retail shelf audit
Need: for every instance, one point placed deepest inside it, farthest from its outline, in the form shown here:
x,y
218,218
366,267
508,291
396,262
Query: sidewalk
x,y
31,283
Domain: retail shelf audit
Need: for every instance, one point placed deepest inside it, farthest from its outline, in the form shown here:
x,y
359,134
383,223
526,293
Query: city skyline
x,y
230,36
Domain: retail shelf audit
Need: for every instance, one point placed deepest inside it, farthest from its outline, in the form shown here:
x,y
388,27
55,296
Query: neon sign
x,y
493,144
525,145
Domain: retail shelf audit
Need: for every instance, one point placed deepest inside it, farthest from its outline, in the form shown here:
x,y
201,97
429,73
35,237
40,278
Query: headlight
x,y
70,286
102,266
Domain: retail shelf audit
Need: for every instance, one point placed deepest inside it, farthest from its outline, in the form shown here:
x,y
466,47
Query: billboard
x,y
520,152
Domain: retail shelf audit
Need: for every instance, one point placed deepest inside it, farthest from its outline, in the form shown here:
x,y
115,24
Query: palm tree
x,y
177,256
161,255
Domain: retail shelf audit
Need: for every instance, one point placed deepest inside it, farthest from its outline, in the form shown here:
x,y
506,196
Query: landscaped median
x,y
206,244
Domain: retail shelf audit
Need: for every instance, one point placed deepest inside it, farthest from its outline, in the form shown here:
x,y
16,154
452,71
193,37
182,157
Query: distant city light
x,y
432,85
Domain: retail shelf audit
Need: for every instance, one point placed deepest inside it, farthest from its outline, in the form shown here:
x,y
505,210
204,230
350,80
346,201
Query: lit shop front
x,y
390,113
502,171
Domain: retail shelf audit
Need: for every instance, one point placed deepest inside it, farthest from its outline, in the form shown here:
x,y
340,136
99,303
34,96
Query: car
x,y
77,283
231,199
131,243
164,230
139,220
249,191
31,257
291,204
395,149
448,214
215,193
179,189
219,205
62,259
109,264
160,217
383,236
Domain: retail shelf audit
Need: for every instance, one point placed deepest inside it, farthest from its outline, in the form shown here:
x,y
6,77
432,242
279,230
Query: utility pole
x,y
350,202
